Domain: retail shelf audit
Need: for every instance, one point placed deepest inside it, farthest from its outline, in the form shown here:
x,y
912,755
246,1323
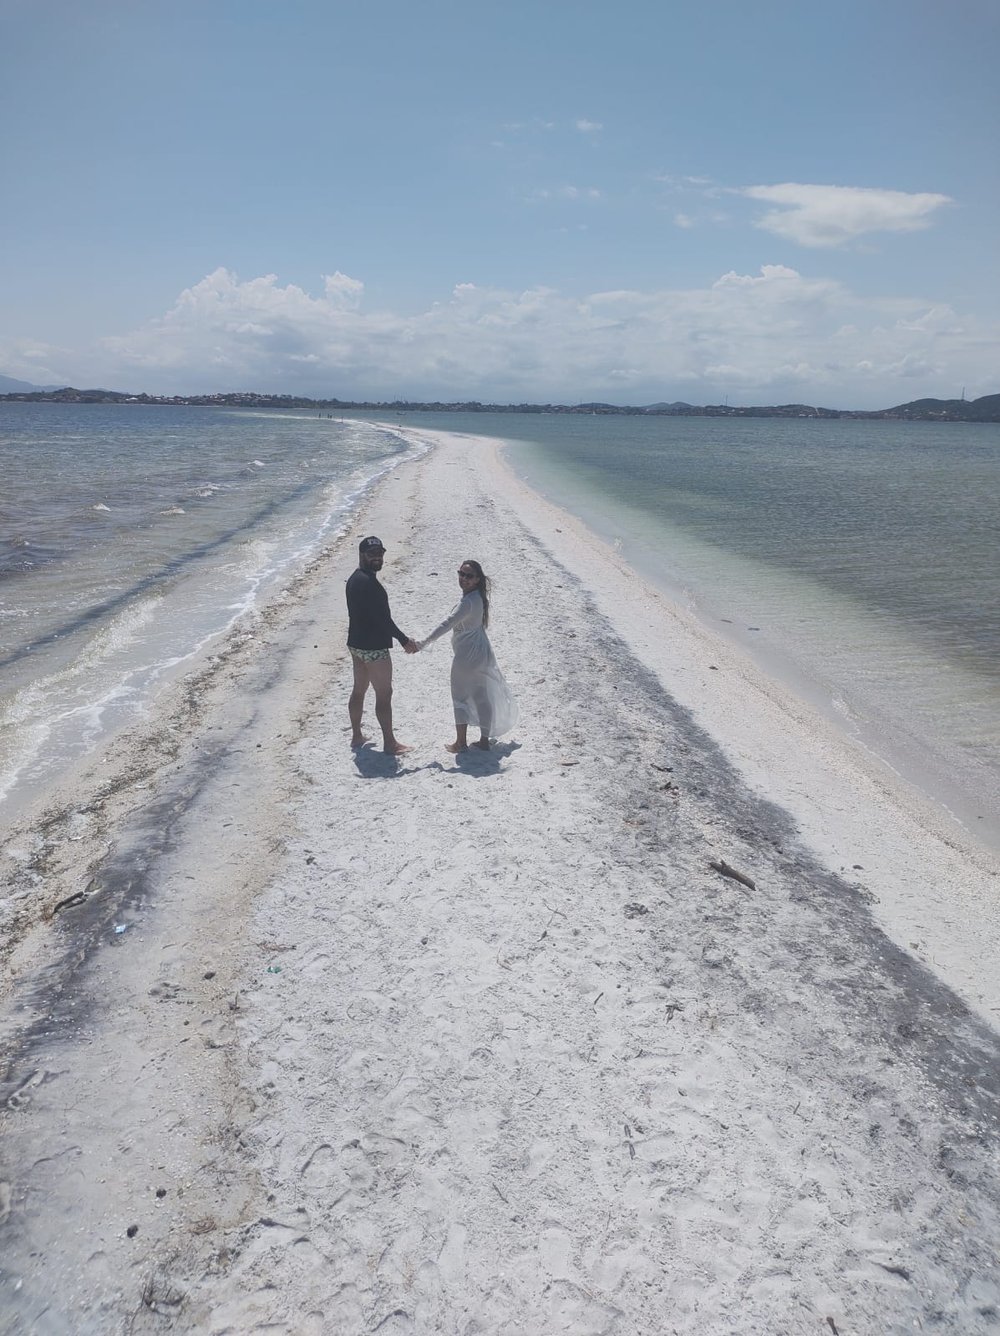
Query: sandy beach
x,y
304,1040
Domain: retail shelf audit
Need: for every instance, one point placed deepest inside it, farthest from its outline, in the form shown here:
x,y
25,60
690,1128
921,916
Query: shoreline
x,y
959,804
487,1038
850,805
64,717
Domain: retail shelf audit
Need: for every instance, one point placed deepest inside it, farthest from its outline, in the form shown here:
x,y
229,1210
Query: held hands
x,y
412,647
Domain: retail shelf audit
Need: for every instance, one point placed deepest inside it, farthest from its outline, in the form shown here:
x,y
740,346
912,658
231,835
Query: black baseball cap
x,y
371,544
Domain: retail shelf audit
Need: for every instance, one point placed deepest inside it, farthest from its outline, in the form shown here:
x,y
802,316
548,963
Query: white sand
x,y
485,1045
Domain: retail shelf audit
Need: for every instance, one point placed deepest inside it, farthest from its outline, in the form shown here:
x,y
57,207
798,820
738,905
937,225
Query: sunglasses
x,y
466,575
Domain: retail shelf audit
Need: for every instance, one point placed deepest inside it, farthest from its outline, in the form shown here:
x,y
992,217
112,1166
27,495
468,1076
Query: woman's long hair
x,y
484,586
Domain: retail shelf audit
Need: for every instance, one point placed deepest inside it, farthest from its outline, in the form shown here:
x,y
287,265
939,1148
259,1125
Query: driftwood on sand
x,y
720,865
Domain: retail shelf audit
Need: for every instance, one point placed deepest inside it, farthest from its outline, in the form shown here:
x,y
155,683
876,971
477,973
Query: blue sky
x,y
563,201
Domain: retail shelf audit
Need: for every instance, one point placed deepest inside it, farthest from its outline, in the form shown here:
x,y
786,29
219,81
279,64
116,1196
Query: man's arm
x,y
358,604
363,612
399,635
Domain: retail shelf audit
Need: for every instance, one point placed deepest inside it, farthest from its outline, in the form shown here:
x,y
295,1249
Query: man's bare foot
x,y
483,744
360,741
396,749
455,747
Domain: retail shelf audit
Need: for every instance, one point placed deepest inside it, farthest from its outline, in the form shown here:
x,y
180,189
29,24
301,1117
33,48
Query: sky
x,y
784,201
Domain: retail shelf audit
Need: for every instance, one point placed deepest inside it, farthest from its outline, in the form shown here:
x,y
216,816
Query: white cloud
x,y
771,336
688,185
568,192
588,127
769,274
683,183
39,364
343,291
518,127
820,216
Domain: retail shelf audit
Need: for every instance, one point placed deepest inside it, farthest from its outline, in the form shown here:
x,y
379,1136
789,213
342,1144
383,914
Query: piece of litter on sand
x,y
274,969
726,870
120,927
77,898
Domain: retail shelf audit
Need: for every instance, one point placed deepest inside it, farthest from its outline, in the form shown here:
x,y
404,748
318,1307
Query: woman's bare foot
x,y
359,741
483,744
455,747
396,749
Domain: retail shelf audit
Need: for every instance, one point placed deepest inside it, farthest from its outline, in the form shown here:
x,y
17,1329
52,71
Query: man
x,y
370,634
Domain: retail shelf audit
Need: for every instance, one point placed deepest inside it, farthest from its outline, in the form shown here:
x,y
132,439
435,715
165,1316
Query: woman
x,y
479,693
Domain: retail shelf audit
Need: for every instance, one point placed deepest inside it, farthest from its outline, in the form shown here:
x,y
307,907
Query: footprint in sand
x,y
568,1307
356,1165
320,1168
387,1152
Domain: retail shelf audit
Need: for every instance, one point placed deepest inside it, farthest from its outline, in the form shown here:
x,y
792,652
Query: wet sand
x,y
485,1043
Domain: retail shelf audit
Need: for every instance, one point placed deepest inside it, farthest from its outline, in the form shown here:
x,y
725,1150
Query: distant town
x,y
985,409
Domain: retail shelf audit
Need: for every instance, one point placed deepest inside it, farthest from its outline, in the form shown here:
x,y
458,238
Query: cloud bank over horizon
x,y
772,336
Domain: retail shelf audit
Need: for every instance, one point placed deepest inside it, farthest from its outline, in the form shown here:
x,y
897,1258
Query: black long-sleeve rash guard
x,y
370,625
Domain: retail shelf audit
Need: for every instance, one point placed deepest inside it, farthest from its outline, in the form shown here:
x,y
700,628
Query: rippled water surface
x,y
859,561
130,535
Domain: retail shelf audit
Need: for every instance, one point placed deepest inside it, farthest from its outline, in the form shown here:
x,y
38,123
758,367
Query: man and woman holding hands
x,y
480,696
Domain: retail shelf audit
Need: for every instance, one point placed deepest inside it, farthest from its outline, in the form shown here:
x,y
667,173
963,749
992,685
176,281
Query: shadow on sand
x,y
374,764
475,761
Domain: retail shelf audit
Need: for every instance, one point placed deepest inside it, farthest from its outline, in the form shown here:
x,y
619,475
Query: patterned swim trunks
x,y
369,655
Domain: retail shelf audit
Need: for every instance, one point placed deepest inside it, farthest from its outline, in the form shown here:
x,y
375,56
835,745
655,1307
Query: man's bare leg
x,y
380,676
356,702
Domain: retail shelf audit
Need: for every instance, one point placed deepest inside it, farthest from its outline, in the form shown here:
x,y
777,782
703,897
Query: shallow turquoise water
x,y
857,561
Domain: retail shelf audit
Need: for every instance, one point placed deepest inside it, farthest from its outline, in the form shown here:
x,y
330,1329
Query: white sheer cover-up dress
x,y
479,693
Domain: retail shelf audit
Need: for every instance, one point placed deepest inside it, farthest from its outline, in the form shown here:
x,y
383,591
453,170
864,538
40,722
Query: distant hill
x,y
8,385
986,409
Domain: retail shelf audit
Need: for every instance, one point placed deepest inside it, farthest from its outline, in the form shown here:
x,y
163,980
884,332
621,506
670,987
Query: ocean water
x,y
132,535
857,562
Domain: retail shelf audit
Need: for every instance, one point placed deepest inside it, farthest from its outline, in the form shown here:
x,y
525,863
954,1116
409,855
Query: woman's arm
x,y
449,622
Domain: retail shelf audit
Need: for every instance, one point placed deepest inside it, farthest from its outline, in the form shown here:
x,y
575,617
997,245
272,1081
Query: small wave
x,y
101,506
69,702
173,510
